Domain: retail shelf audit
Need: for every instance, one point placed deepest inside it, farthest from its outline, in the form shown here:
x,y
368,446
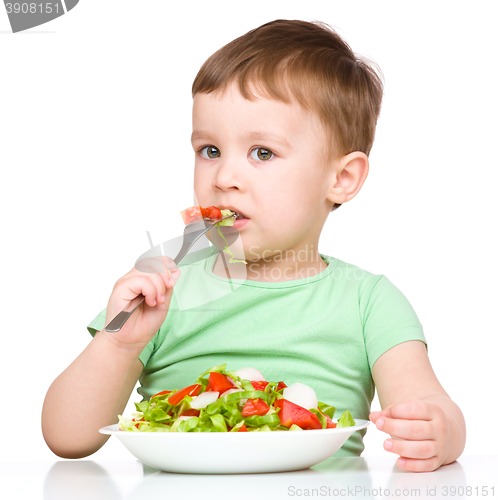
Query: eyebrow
x,y
268,136
255,136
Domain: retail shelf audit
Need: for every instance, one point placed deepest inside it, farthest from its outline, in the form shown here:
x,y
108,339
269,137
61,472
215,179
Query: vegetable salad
x,y
234,401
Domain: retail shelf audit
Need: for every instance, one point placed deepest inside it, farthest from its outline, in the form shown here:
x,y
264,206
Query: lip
x,y
239,223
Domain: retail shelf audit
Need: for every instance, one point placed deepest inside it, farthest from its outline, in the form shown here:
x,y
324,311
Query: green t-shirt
x,y
325,331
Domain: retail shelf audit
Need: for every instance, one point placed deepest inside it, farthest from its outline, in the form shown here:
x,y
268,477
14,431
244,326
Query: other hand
x,y
420,434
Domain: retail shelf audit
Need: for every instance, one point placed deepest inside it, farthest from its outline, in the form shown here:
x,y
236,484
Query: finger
x,y
406,429
160,285
137,285
412,410
374,415
165,281
158,266
414,465
172,272
380,413
169,263
175,274
411,449
163,266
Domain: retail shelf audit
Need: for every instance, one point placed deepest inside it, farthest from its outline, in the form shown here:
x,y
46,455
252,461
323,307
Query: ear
x,y
349,174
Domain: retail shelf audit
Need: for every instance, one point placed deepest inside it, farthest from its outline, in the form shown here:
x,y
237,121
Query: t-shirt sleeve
x,y
388,320
98,324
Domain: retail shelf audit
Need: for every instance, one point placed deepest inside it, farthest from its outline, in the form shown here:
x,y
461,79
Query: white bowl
x,y
233,452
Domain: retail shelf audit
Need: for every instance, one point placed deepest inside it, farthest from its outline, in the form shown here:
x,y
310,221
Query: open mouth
x,y
238,215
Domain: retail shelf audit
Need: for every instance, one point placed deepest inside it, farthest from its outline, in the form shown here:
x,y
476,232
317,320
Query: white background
x,y
95,123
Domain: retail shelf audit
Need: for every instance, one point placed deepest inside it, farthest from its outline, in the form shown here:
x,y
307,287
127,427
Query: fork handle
x,y
120,319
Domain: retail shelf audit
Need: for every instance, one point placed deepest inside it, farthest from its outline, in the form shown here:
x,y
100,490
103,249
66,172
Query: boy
x,y
283,121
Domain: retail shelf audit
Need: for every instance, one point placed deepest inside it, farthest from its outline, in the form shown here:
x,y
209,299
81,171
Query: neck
x,y
280,266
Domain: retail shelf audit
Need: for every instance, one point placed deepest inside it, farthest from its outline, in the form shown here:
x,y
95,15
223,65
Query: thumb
x,y
382,413
172,271
174,274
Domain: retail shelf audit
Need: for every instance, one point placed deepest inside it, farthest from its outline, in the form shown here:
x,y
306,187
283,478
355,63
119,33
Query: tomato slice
x,y
191,390
255,407
213,213
208,388
191,412
220,382
161,393
330,424
243,428
281,386
259,385
138,420
197,212
291,413
192,214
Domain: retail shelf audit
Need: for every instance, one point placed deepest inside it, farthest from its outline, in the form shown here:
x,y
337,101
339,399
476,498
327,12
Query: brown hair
x,y
307,61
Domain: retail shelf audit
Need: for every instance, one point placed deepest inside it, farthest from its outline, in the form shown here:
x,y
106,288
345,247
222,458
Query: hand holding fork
x,y
154,287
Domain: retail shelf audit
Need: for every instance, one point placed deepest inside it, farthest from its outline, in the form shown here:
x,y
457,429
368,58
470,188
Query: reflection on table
x,y
334,478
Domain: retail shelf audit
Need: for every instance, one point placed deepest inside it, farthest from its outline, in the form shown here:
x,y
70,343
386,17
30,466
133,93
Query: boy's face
x,y
267,160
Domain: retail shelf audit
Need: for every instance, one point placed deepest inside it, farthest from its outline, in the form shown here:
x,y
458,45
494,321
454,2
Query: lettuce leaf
x,y
226,249
346,420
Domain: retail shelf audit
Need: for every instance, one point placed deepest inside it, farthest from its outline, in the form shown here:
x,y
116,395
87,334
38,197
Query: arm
x,y
427,427
89,395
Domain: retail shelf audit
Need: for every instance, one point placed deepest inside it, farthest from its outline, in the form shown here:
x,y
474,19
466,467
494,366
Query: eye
x,y
262,154
210,152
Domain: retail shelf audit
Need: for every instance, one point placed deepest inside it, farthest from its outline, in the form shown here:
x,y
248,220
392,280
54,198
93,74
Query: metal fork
x,y
191,234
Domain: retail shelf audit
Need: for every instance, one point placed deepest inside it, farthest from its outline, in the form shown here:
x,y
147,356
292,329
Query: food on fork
x,y
198,213
234,401
195,213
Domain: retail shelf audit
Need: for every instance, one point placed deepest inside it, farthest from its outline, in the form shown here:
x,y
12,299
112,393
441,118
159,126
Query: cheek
x,y
201,183
292,194
292,206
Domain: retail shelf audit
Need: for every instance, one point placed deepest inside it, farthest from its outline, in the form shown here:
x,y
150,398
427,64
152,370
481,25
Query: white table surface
x,y
333,478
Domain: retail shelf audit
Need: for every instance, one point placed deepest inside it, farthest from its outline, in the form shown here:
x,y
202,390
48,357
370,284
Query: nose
x,y
228,175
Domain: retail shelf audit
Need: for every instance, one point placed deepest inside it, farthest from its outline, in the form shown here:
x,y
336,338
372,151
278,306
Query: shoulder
x,y
341,271
370,290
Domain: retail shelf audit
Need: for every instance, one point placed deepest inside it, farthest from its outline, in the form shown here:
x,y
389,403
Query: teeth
x,y
238,215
